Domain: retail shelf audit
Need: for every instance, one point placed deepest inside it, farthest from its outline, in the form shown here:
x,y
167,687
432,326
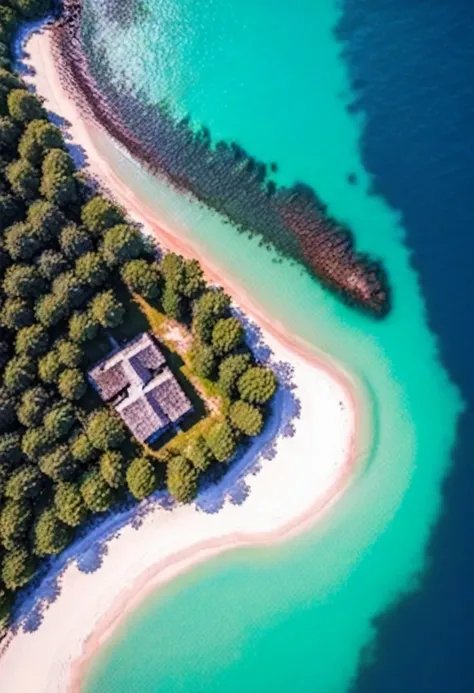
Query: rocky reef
x,y
222,175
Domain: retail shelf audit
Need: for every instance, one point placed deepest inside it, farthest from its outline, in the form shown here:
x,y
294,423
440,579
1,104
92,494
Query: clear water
x,y
271,76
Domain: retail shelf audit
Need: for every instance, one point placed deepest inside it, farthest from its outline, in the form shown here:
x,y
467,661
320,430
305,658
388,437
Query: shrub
x,y
75,241
107,310
58,183
141,477
112,468
20,373
51,309
21,241
22,281
142,278
32,340
91,270
15,520
24,179
199,453
36,443
203,360
105,430
32,406
221,441
69,504
51,263
59,420
172,303
24,106
25,482
17,568
227,335
100,214
16,313
181,479
257,385
49,367
230,370
10,449
50,535
71,384
121,243
82,449
39,137
58,464
246,418
82,327
7,409
96,492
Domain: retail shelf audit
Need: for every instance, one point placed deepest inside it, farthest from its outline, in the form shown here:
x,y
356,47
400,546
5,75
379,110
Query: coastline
x,y
333,416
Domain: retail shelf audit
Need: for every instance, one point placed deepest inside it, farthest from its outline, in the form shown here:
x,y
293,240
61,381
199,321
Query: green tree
x,y
50,535
141,477
246,418
24,482
121,243
181,479
100,214
142,278
46,220
91,270
31,9
16,313
75,241
105,430
38,138
193,279
211,306
32,406
69,504
51,263
7,409
69,353
230,370
21,241
112,468
22,281
59,420
58,183
9,210
71,384
69,289
15,518
32,340
10,449
172,269
8,22
82,327
59,464
9,136
51,309
227,335
17,568
20,373
97,494
257,385
221,441
36,443
49,367
203,360
199,453
24,179
172,303
24,106
107,310
82,449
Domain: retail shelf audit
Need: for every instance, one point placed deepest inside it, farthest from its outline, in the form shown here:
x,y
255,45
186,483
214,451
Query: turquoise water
x,y
296,617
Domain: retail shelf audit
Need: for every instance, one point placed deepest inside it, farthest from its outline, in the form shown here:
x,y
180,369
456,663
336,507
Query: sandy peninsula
x,y
309,471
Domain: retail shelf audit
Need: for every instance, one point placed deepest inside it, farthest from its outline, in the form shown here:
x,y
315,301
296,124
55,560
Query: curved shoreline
x,y
163,570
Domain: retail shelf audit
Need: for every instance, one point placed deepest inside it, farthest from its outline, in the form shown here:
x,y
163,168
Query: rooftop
x,y
141,387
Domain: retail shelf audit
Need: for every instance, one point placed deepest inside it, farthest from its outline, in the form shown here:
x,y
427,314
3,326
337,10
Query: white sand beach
x,y
309,471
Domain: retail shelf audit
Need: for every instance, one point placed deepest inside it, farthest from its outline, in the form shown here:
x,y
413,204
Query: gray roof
x,y
152,397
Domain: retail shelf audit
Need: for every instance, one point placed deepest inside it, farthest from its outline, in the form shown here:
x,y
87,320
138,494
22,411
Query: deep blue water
x,y
412,66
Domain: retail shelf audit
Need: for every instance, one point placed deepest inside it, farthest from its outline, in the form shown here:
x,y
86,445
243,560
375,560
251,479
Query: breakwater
x,y
222,175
